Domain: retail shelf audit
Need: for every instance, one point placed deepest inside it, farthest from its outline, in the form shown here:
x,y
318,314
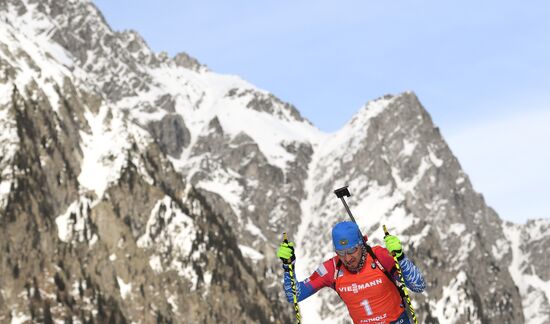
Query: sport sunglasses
x,y
350,250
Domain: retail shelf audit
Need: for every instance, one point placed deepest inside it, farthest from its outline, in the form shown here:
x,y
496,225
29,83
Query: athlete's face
x,y
350,259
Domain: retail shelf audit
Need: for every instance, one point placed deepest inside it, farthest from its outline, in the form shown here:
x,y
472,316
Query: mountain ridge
x,y
120,159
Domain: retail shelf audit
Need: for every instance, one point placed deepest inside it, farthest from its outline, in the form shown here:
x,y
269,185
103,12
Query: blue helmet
x,y
346,235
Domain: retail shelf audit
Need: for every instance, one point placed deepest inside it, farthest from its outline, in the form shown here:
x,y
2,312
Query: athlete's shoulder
x,y
384,256
380,251
329,266
324,274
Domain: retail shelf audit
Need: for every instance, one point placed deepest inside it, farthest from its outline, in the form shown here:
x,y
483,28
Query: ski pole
x,y
404,287
293,285
340,193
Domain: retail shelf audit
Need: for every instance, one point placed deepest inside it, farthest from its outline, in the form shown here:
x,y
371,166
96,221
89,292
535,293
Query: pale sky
x,y
480,68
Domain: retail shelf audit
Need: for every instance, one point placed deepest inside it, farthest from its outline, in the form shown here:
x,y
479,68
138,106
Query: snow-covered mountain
x,y
138,187
530,268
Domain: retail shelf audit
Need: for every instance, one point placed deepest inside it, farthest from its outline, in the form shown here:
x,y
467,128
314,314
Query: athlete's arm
x,y
411,275
322,277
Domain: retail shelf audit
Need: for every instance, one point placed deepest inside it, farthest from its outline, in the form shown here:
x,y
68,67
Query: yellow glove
x,y
286,252
393,244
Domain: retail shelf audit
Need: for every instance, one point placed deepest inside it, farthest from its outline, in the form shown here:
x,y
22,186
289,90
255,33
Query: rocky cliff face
x,y
404,175
529,266
126,242
135,187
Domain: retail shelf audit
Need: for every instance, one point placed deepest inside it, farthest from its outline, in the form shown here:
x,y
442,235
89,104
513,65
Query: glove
x,y
286,252
393,244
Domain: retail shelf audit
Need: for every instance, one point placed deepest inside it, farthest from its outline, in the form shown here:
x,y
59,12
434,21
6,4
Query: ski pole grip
x,y
386,233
